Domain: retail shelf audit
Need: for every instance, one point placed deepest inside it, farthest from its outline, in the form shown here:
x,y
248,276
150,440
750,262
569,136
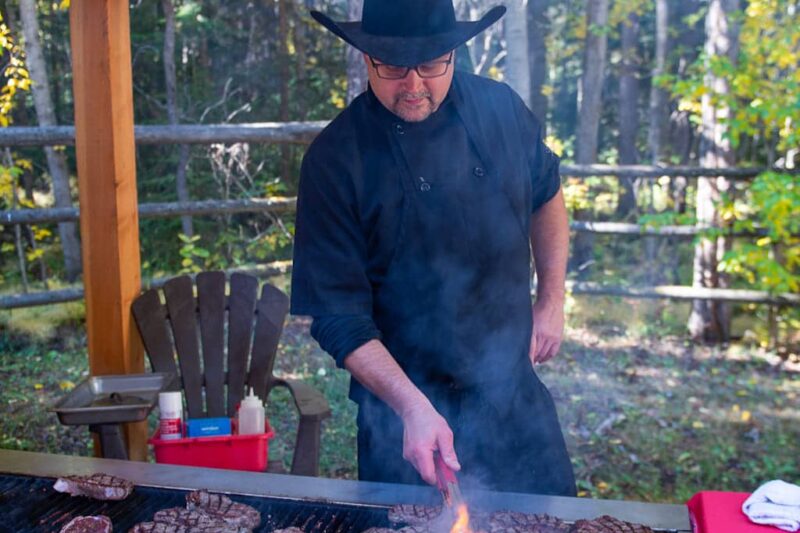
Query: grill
x,y
28,503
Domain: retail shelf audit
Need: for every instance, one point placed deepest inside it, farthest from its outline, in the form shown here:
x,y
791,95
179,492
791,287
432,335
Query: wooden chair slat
x,y
151,319
271,314
183,318
211,301
241,310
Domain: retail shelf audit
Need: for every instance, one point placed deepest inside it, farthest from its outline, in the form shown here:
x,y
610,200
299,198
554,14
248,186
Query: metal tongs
x,y
447,483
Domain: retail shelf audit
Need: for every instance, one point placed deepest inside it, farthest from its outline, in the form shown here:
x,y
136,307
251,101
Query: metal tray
x,y
112,399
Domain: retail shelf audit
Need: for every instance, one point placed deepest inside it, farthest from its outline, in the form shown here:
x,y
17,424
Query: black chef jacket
x,y
424,228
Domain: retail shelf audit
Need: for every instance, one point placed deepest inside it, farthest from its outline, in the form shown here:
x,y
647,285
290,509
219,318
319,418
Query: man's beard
x,y
416,113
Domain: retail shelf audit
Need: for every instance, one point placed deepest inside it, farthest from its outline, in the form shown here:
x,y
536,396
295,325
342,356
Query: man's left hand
x,y
548,329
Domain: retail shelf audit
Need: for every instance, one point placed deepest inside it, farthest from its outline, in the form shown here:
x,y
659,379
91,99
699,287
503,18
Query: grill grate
x,y
30,504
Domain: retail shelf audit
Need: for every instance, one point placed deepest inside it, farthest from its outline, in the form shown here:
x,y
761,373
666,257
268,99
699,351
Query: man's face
x,y
411,98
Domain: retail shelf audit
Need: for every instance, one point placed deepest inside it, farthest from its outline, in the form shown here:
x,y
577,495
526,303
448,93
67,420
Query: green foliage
x,y
667,218
194,256
773,262
15,75
764,79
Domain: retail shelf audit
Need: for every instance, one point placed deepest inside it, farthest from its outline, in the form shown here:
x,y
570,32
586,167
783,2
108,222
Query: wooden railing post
x,y
104,147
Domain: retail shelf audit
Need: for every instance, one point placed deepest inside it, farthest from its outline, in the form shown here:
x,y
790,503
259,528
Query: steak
x,y
88,524
160,527
220,506
514,522
97,486
300,530
181,516
413,515
608,524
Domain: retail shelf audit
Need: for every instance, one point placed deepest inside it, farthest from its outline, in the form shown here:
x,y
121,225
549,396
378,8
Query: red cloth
x,y
721,512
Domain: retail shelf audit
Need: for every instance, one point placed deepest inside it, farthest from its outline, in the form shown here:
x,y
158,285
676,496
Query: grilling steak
x,y
514,522
97,486
88,524
413,515
180,516
220,506
160,527
608,524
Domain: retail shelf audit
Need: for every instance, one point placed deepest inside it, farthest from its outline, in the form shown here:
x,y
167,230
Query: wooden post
x,y
104,146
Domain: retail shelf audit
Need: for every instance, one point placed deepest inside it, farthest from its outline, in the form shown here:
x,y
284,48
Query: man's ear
x,y
366,59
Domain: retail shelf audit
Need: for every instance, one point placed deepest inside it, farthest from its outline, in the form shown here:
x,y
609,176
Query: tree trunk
x,y
356,69
628,110
682,136
591,83
300,61
517,71
710,321
658,97
56,162
537,58
590,91
170,77
284,73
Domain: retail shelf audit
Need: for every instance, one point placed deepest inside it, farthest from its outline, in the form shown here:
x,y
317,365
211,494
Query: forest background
x,y
712,83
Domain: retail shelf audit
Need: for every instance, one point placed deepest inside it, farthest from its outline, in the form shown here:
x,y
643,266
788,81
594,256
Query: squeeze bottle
x,y
251,415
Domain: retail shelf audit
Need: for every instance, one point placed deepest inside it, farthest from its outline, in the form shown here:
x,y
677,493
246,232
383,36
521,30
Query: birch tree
x,y
658,97
56,162
710,321
517,71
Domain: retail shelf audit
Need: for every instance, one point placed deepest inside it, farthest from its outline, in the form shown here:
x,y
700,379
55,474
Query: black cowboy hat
x,y
408,32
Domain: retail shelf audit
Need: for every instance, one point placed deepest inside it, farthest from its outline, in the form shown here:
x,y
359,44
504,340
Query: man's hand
x,y
424,431
548,329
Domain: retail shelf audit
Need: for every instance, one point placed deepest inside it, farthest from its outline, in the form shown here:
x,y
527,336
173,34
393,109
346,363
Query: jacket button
x,y
478,171
399,129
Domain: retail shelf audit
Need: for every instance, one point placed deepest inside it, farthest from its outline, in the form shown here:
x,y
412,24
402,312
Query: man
x,y
418,209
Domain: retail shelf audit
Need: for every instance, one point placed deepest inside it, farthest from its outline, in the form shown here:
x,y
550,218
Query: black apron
x,y
455,312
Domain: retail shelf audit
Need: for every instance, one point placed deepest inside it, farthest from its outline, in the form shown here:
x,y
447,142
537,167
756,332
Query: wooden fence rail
x,y
304,133
276,206
71,294
284,205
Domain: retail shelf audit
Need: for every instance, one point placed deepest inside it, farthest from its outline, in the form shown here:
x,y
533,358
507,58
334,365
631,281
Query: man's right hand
x,y
425,431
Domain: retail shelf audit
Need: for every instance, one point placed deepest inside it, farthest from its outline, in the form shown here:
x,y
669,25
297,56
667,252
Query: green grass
x,y
647,416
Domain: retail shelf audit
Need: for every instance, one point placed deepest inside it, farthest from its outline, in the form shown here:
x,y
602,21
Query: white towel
x,y
775,503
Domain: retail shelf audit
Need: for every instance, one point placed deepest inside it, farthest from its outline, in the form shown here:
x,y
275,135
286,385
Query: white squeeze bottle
x,y
251,415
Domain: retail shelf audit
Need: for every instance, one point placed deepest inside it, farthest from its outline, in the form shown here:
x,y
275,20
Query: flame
x,y
461,524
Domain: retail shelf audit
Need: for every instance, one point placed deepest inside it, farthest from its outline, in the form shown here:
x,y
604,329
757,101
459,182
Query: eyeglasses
x,y
431,69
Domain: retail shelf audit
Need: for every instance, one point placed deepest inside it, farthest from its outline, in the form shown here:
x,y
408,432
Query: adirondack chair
x,y
254,326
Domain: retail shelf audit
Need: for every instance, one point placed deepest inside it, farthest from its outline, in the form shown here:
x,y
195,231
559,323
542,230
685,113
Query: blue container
x,y
208,427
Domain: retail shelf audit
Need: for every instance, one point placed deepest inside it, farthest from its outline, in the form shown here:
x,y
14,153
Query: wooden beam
x,y
104,148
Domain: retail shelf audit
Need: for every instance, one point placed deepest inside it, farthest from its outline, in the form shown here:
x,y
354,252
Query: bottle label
x,y
170,428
